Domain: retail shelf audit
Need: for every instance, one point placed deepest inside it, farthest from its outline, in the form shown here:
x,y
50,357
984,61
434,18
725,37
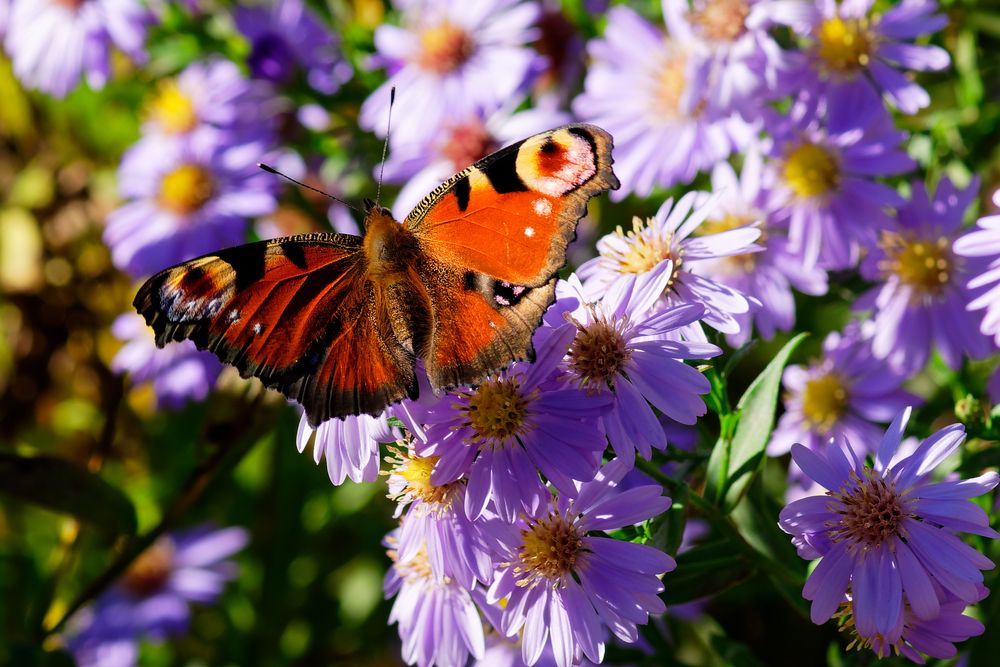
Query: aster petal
x,y
809,514
627,508
536,626
917,585
827,584
922,57
584,620
564,646
641,558
929,455
817,468
960,515
890,441
959,489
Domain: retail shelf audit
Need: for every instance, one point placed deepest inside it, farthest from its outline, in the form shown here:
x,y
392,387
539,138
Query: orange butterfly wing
x,y
495,235
299,313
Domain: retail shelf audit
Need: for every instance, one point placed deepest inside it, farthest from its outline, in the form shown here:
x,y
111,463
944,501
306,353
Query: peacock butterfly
x,y
335,321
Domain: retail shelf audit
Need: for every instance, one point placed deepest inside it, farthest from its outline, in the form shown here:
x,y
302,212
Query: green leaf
x,y
734,463
705,570
65,487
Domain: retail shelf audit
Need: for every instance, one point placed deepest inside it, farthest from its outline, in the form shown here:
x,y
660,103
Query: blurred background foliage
x,y
309,590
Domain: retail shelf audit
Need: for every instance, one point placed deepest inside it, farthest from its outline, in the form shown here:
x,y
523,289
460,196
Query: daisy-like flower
x,y
451,59
286,39
983,244
839,396
187,202
349,445
436,528
646,90
459,143
747,65
179,372
768,275
153,598
514,425
823,178
622,349
668,238
888,531
923,295
52,43
438,621
857,53
563,584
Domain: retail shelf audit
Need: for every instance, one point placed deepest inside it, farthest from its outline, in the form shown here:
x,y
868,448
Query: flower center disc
x,y
923,264
722,20
466,143
150,571
644,252
669,86
872,511
598,353
444,48
173,110
186,189
811,170
550,548
824,401
845,46
497,410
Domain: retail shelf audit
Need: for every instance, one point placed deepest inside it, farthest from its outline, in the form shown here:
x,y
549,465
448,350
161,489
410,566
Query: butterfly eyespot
x,y
549,146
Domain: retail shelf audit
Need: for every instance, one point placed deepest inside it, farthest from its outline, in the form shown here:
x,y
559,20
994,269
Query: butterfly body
x,y
336,321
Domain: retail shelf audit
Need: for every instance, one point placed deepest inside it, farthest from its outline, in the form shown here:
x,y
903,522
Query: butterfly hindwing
x,y
299,313
512,214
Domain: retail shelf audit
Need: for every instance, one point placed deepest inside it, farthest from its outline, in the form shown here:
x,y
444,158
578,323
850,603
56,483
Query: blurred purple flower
x,y
153,598
51,43
179,372
286,39
452,59
184,201
888,533
823,174
668,239
856,53
766,276
983,244
514,425
562,584
645,89
922,298
350,445
438,621
621,350
460,142
839,396
747,66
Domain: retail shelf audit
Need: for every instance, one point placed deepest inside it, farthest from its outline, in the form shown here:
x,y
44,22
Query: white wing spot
x,y
542,206
256,328
529,231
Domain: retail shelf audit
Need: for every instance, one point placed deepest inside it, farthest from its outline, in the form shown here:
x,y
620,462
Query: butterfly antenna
x,y
272,170
385,146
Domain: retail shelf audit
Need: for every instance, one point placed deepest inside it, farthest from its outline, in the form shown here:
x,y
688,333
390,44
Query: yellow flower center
x,y
872,513
645,250
466,143
186,189
731,264
415,570
497,410
811,170
823,401
845,46
417,471
172,109
549,550
150,571
669,85
598,354
722,20
923,264
444,48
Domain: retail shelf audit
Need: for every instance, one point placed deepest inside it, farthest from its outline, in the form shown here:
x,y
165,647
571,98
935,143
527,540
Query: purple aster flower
x,y
435,527
923,295
84,30
459,143
839,396
888,532
452,59
622,350
153,598
350,445
747,65
286,39
823,173
185,201
179,372
438,621
646,90
984,245
857,53
667,238
514,425
766,276
562,584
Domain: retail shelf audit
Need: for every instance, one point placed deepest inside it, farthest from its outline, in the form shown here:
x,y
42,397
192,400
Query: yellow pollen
x,y
598,354
823,401
845,46
845,624
811,170
871,512
172,110
149,572
645,250
444,48
722,20
550,549
497,410
186,189
923,264
417,569
669,85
